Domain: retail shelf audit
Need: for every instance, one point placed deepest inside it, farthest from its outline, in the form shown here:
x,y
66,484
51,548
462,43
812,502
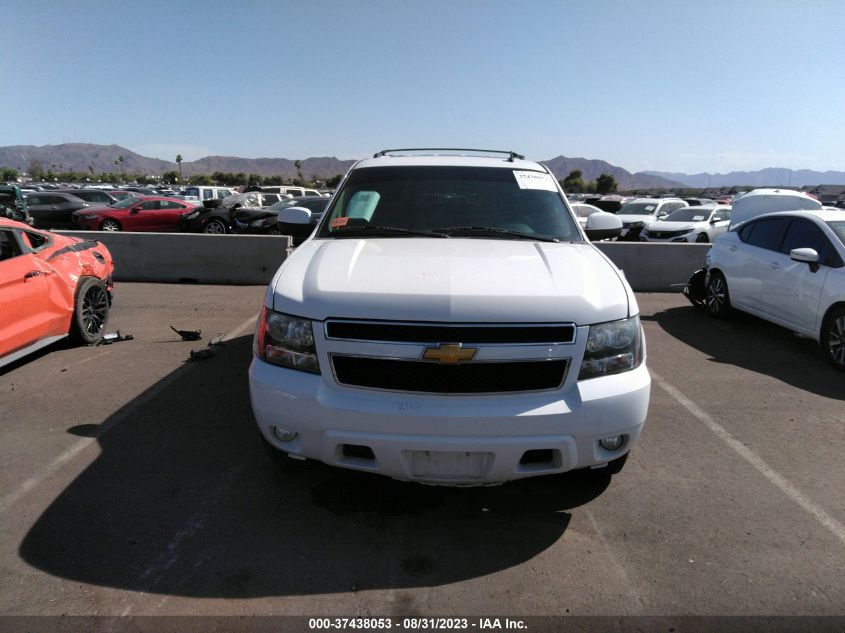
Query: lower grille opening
x,y
539,456
357,451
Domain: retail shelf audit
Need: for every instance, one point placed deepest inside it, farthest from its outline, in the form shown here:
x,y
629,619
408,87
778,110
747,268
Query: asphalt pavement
x,y
132,481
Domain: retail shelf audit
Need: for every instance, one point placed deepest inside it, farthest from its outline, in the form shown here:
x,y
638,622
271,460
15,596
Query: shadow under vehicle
x,y
180,502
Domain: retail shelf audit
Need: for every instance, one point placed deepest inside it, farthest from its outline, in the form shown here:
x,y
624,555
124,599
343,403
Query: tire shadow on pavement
x,y
182,500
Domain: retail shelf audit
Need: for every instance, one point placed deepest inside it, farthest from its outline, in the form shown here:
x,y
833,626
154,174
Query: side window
x,y
207,194
33,200
148,205
36,240
745,231
804,233
8,246
768,233
295,193
315,206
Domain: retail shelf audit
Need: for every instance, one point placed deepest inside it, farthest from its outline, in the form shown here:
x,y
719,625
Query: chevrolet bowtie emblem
x,y
449,353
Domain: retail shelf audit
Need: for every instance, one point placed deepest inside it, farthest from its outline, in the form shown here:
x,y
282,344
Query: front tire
x,y
702,238
215,227
110,225
90,311
833,338
717,299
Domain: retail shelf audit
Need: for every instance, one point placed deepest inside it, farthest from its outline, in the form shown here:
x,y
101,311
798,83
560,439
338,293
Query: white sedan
x,y
690,224
787,268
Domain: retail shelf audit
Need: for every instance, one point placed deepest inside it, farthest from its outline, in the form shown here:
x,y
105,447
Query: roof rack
x,y
510,154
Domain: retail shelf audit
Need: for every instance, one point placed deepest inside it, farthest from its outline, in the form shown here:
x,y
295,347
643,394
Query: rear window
x,y
440,198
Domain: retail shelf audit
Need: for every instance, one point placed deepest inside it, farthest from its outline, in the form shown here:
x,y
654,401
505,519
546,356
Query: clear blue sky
x,y
668,85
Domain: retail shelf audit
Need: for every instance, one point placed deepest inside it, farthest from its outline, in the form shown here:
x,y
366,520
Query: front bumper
x,y
451,440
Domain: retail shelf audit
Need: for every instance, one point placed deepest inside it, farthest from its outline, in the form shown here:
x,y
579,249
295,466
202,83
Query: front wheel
x,y
90,311
717,300
833,339
110,225
702,238
215,227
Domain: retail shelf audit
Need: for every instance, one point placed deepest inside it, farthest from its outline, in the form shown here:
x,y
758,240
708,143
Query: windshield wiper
x,y
492,230
384,230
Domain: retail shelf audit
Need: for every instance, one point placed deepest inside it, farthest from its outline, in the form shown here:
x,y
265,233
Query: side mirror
x,y
808,255
295,215
603,226
662,214
714,220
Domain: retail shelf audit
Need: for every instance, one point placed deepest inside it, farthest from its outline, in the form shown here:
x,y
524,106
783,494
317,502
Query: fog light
x,y
284,436
611,443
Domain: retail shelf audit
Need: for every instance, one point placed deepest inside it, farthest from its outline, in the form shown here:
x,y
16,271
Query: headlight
x,y
191,216
685,232
612,348
257,223
286,341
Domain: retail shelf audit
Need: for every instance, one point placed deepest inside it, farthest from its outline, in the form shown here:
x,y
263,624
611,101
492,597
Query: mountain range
x,y
96,159
770,177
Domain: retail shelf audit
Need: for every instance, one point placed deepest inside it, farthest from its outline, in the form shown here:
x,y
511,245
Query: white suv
x,y
449,322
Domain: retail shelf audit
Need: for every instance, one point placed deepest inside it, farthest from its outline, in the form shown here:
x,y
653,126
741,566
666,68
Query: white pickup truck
x,y
449,322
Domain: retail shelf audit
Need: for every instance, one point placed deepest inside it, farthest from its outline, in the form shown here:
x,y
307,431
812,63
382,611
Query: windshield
x,y
688,215
839,228
126,202
637,208
468,201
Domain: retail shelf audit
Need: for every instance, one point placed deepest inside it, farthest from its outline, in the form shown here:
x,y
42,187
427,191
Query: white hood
x,y
451,280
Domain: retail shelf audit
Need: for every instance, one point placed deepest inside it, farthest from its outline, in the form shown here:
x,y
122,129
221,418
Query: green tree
x,y
605,184
334,181
255,180
200,179
8,174
170,177
298,165
179,161
574,182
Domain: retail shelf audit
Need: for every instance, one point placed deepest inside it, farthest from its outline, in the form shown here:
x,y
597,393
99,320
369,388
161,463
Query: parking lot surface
x,y
134,482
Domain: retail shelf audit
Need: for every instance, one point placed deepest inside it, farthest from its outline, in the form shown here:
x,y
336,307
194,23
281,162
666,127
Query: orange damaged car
x,y
51,287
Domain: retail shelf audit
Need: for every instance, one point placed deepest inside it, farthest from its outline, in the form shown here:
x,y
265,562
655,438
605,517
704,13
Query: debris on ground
x,y
217,340
188,335
201,354
114,337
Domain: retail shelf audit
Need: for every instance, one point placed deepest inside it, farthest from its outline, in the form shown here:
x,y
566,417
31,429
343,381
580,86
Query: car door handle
x,y
31,274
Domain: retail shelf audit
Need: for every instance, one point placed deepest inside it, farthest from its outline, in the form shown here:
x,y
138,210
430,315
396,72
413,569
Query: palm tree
x,y
298,165
179,160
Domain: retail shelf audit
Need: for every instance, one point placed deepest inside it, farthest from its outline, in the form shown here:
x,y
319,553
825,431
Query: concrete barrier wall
x,y
192,257
651,267
253,259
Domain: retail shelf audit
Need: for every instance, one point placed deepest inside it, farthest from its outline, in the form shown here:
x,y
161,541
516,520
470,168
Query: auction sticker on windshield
x,y
535,180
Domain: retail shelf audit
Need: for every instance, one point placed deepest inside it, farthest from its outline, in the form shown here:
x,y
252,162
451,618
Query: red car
x,y
51,286
139,213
